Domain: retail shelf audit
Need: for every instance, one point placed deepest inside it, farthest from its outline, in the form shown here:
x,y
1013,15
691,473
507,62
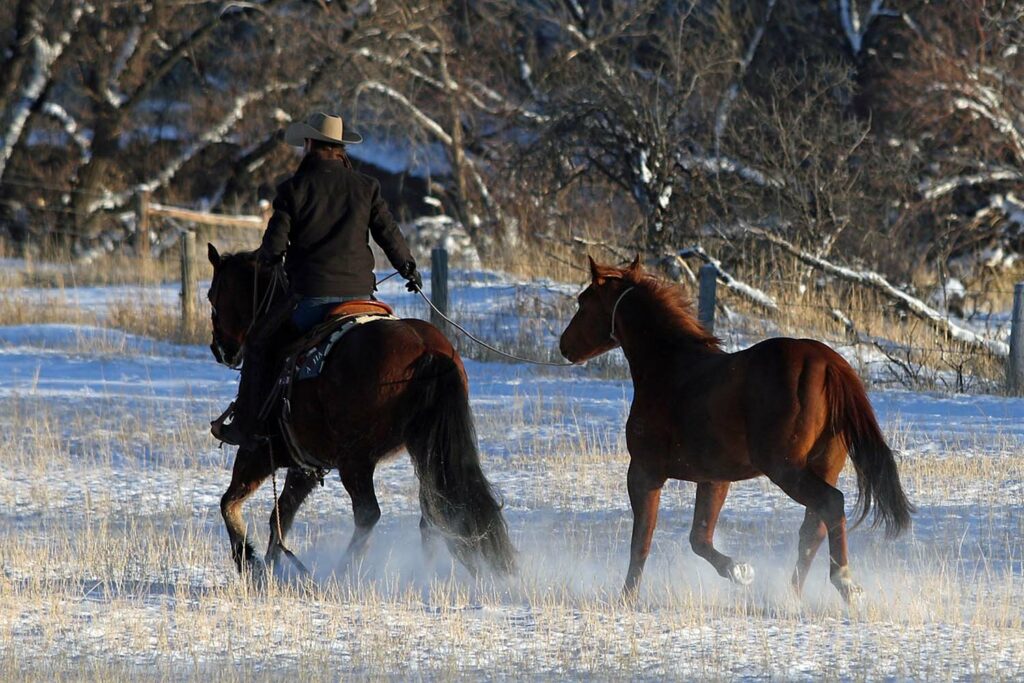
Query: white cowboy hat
x,y
320,126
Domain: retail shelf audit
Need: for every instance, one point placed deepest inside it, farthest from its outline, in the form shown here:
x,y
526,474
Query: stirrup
x,y
224,432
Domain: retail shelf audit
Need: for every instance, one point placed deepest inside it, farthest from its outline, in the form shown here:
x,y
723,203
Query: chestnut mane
x,y
673,309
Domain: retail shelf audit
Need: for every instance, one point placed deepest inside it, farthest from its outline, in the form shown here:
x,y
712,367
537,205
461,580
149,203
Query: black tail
x,y
878,481
456,496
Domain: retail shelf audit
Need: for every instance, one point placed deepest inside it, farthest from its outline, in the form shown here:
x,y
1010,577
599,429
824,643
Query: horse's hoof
x,y
796,582
255,572
741,573
287,568
630,593
852,592
849,589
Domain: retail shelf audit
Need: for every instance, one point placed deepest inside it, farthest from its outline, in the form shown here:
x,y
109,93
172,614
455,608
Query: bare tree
x,y
28,74
628,101
964,80
146,90
422,76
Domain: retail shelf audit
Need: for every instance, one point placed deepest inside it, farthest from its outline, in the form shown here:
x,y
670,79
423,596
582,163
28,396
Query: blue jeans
x,y
311,310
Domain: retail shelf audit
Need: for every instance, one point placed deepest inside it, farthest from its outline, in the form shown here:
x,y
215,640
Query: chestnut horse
x,y
386,384
788,409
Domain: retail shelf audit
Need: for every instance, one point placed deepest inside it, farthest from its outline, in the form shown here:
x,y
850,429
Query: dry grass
x,y
21,311
116,566
909,352
912,355
112,269
160,321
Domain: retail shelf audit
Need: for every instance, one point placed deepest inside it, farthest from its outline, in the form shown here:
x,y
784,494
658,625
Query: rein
x,y
615,308
258,308
264,305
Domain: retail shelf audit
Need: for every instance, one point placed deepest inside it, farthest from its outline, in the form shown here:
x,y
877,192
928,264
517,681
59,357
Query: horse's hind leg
x,y
297,486
710,498
812,533
365,512
252,467
827,502
814,530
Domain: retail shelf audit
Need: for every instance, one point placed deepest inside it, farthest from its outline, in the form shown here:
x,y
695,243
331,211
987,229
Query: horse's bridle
x,y
258,309
217,347
615,308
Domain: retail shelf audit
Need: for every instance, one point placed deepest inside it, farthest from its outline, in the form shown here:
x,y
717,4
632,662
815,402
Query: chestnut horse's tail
x,y
455,495
878,481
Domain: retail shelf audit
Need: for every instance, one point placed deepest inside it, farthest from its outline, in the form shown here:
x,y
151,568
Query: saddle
x,y
305,358
360,307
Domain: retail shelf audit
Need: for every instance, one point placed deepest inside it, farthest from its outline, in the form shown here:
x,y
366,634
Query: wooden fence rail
x,y
439,278
146,209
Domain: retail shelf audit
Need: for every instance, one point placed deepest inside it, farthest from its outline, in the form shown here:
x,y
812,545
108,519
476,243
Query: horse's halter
x,y
615,308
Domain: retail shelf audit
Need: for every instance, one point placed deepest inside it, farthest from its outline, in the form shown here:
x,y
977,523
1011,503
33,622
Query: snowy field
x,y
116,564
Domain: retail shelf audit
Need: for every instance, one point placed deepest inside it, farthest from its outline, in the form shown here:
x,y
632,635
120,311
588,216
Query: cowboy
x,y
323,217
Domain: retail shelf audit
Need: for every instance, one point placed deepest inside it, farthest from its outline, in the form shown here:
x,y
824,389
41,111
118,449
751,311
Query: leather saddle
x,y
360,307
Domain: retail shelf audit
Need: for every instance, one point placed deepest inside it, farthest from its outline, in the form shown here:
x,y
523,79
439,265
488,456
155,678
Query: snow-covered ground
x,y
115,561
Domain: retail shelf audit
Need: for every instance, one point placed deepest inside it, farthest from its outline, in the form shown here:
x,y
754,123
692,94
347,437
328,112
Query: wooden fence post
x,y
189,281
142,243
439,284
706,298
1015,361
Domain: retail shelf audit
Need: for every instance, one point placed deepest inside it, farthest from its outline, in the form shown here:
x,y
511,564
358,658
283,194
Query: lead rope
x,y
614,309
484,344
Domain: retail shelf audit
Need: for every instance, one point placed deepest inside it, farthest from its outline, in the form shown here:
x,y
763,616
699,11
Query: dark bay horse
x,y
788,409
386,384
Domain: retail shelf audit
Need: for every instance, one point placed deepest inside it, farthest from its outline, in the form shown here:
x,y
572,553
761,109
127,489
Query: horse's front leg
x,y
708,504
644,495
252,467
297,486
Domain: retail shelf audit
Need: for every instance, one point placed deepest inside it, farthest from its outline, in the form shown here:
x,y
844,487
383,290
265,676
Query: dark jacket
x,y
323,216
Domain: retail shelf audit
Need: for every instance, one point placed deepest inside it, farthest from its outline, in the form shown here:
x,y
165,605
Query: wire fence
x,y
891,348
531,315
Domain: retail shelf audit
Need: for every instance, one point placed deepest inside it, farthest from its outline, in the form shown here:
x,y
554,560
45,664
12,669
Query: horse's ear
x,y
211,252
636,267
597,275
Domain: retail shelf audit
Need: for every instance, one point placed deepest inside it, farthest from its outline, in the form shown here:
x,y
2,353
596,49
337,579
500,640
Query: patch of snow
x,y
645,172
127,456
400,156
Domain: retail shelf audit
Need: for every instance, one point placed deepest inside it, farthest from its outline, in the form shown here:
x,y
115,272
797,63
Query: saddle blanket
x,y
305,360
310,363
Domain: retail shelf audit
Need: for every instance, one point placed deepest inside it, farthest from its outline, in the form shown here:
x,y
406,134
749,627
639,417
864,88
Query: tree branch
x,y
918,308
118,200
933,189
44,54
748,292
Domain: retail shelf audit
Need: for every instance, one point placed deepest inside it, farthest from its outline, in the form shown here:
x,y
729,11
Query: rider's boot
x,y
245,409
259,373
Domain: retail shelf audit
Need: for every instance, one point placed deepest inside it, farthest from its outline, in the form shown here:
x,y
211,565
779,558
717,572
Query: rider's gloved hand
x,y
414,279
268,259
